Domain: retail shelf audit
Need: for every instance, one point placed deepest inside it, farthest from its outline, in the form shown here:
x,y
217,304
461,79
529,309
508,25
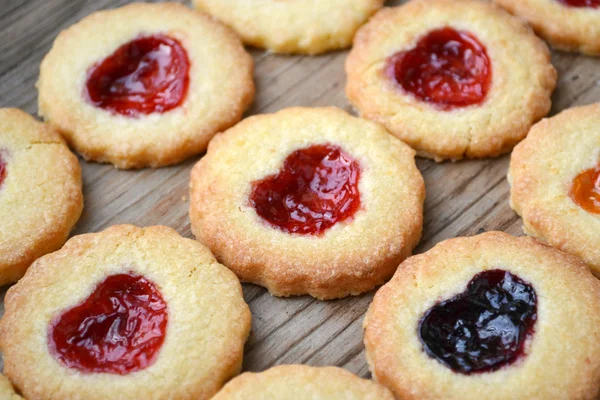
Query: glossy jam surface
x,y
147,75
316,188
581,3
447,68
118,329
585,190
483,328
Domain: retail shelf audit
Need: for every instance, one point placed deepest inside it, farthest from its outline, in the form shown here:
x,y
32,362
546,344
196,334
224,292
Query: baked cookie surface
x,y
293,26
308,201
571,25
447,77
161,82
125,313
301,382
6,390
432,332
553,174
40,192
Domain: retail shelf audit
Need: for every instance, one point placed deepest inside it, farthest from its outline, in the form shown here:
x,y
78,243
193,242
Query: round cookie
x,y
125,313
40,192
489,317
308,201
554,183
301,382
293,26
6,390
448,78
161,82
571,25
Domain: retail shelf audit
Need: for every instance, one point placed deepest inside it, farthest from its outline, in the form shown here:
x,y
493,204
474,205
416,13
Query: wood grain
x,y
462,198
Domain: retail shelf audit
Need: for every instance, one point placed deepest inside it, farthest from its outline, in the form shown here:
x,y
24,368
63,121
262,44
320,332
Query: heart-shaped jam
x,y
581,3
585,190
147,75
447,68
118,329
485,327
316,188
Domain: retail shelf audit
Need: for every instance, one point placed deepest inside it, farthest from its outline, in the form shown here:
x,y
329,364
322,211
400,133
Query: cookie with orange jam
x,y
571,25
301,382
448,77
293,26
41,196
129,312
487,317
308,201
555,182
145,85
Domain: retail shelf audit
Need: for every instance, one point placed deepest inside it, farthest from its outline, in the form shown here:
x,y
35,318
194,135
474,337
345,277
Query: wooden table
x,y
462,198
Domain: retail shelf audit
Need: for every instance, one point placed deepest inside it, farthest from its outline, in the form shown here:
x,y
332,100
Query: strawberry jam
x,y
581,3
485,327
118,329
316,188
447,68
585,190
147,75
2,170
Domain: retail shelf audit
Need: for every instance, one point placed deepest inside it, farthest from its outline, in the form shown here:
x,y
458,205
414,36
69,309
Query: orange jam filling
x,y
585,190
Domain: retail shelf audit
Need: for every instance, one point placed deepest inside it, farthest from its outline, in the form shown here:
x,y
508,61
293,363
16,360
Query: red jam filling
x,y
2,170
147,75
485,327
118,329
581,3
316,188
585,190
447,68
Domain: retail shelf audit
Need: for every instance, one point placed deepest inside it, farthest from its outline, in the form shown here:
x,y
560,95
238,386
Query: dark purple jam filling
x,y
483,328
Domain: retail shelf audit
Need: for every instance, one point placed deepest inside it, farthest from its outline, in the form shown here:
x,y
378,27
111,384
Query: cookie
x,y
554,176
40,192
490,316
308,201
6,390
293,26
137,313
161,82
571,25
301,382
448,77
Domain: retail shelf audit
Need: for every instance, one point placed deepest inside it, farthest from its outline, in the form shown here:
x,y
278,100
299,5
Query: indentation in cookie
x,y
147,75
316,188
119,328
447,68
581,3
485,327
585,190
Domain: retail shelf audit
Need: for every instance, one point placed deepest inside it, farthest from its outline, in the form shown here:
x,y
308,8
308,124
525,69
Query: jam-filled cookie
x,y
555,182
490,316
293,26
6,390
572,25
452,78
137,313
308,201
301,382
145,84
40,192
